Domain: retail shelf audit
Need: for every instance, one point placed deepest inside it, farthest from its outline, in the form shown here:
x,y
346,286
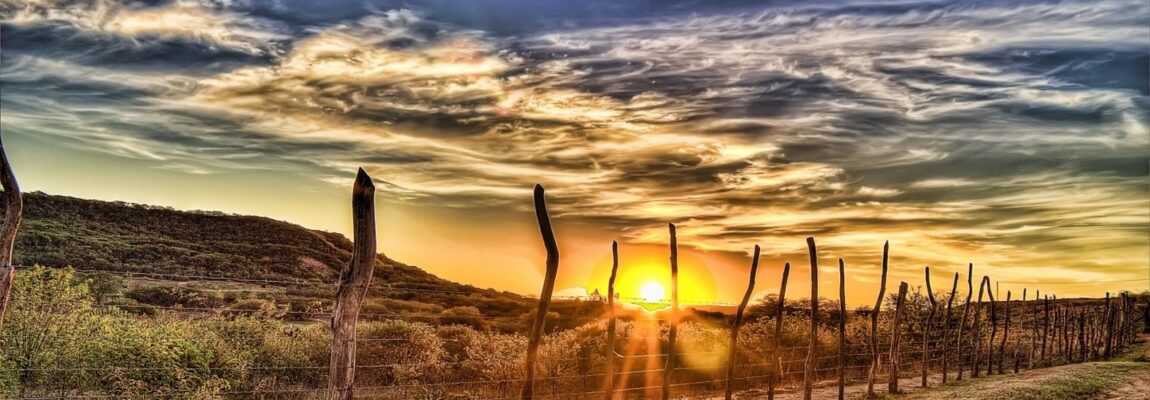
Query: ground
x,y
1126,377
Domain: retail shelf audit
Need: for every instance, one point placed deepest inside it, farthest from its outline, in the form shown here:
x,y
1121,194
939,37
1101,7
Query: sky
x,y
1008,134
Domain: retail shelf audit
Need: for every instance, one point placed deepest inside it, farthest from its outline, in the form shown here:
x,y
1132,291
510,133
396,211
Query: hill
x,y
185,258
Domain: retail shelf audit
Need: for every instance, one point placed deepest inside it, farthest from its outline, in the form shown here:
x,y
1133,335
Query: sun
x,y
652,292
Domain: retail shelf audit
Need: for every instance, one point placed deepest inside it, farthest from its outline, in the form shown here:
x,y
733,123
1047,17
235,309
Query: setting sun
x,y
652,292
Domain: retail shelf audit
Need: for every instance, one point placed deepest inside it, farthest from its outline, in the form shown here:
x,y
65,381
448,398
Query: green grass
x,y
1078,381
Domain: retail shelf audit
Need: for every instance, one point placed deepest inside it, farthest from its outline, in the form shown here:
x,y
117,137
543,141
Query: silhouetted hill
x,y
60,231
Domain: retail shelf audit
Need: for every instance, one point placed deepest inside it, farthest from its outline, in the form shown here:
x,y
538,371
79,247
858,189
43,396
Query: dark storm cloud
x,y
1014,132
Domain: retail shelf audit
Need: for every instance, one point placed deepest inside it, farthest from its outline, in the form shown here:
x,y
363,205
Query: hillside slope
x,y
59,231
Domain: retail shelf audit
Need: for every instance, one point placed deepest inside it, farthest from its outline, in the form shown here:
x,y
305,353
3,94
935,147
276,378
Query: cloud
x,y
958,131
190,20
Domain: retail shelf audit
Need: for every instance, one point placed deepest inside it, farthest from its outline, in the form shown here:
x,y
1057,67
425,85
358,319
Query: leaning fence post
x,y
777,369
946,330
353,284
842,329
733,350
927,328
872,373
13,209
610,374
895,336
962,324
1034,331
545,295
813,346
669,371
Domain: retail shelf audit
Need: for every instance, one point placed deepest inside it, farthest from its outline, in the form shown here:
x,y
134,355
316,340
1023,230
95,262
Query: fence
x,y
914,340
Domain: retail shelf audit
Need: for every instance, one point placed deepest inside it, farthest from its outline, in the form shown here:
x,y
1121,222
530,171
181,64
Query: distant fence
x,y
916,340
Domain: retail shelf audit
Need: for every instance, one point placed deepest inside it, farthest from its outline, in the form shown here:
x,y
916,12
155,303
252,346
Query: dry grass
x,y
1126,377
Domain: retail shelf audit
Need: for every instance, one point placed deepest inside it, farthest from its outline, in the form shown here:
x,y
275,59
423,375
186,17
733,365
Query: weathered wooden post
x,y
961,324
946,330
813,346
993,330
354,281
895,338
1045,324
669,371
926,330
976,327
1005,336
1109,345
732,352
1083,353
842,329
777,369
872,372
544,296
1034,331
610,374
13,209
1018,337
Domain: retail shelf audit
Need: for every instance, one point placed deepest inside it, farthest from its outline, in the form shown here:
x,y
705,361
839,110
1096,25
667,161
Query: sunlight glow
x,y
652,292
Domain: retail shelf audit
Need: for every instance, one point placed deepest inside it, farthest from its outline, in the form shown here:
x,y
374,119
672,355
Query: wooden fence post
x,y
732,353
669,370
1018,340
926,330
895,336
965,311
842,329
813,346
777,370
1109,345
610,374
872,373
1034,335
975,328
1005,336
1045,325
1082,351
545,295
993,329
354,281
946,330
13,209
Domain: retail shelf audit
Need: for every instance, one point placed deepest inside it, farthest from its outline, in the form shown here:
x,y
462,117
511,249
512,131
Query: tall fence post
x,y
962,324
976,327
1045,325
842,329
609,384
895,336
732,353
813,346
1109,345
669,371
872,372
552,271
1034,331
926,330
1018,337
946,330
13,209
993,330
354,280
777,368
